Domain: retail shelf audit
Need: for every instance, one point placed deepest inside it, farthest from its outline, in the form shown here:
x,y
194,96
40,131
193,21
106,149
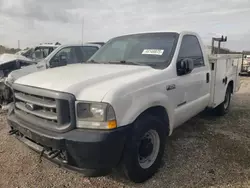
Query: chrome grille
x,y
41,107
48,109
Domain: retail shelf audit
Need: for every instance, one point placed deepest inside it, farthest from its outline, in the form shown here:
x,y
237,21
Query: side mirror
x,y
185,66
58,61
18,65
63,59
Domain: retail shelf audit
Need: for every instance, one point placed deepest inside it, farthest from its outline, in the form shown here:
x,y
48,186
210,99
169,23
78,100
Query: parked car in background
x,y
245,68
63,55
23,58
10,62
40,52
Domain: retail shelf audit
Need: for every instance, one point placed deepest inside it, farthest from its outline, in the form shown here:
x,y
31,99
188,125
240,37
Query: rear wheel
x,y
144,150
223,108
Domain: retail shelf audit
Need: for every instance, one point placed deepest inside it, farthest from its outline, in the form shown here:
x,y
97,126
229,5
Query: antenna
x,y
82,28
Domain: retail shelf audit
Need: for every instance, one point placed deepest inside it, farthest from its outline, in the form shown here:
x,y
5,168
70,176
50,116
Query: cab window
x,y
190,48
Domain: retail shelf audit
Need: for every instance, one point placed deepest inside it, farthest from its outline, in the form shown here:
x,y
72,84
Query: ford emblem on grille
x,y
30,107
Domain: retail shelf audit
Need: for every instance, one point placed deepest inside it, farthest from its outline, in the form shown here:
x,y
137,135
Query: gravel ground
x,y
205,152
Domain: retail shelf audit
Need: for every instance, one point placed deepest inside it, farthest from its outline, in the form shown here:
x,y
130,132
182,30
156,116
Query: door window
x,y
68,53
190,48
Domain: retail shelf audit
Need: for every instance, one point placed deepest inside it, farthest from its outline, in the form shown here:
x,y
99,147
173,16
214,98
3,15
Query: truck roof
x,y
85,44
99,43
69,45
49,44
169,31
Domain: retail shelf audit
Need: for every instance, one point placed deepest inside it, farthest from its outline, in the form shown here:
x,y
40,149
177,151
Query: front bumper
x,y
87,151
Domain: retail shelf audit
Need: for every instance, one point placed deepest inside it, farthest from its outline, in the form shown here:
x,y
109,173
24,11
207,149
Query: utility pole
x,y
18,44
82,29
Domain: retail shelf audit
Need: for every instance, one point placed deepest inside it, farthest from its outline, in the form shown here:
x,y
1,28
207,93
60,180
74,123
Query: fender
x,y
229,79
139,104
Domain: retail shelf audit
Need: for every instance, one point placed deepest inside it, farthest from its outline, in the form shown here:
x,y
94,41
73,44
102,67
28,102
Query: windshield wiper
x,y
92,61
119,62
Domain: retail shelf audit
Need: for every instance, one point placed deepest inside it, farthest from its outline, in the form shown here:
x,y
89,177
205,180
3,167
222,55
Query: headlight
x,y
10,79
95,116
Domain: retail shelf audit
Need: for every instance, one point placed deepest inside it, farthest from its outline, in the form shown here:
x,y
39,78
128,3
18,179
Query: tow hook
x,y
53,154
11,132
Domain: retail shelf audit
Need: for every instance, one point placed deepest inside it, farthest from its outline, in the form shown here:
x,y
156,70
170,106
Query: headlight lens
x,y
95,115
10,79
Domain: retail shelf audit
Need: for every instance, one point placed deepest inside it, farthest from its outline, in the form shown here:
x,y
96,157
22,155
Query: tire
x,y
137,168
223,108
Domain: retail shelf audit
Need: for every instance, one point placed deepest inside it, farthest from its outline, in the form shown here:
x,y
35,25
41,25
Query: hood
x,y
5,58
28,69
14,75
85,81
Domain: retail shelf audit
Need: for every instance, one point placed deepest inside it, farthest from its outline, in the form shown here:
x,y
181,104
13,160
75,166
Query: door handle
x,y
207,77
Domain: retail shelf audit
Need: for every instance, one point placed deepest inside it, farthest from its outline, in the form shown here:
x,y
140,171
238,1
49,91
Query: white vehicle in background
x,y
63,55
245,69
10,62
23,58
39,52
118,107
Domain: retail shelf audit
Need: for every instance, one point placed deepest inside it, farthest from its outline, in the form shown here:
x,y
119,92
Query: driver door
x,y
192,89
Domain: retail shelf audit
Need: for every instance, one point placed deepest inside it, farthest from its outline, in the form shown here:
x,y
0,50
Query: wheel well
x,y
158,111
231,85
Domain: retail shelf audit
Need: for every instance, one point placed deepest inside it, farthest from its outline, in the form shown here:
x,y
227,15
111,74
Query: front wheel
x,y
144,150
223,108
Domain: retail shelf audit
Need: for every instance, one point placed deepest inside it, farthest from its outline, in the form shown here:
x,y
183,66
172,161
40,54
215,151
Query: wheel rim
x,y
148,149
227,99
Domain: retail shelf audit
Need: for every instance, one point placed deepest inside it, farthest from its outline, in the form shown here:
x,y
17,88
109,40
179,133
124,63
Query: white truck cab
x,y
120,105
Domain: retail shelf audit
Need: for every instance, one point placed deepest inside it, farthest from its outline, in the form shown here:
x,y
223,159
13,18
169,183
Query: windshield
x,y
146,49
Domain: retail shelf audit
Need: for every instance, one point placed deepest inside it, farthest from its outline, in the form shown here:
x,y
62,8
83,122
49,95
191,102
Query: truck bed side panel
x,y
224,70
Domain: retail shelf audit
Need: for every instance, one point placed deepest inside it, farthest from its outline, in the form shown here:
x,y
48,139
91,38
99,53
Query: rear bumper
x,y
81,150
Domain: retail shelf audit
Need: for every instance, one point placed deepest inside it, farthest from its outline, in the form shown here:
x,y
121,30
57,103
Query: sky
x,y
68,21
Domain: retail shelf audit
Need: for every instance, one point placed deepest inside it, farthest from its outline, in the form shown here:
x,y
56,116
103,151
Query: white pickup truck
x,y
119,107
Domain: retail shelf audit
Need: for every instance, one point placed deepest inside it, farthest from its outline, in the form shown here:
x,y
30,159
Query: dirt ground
x,y
205,152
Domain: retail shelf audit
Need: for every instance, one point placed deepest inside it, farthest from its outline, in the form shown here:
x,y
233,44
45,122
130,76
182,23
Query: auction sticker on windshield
x,y
153,51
